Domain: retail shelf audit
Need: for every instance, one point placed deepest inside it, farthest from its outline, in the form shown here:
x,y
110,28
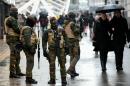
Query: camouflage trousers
x,y
61,59
30,61
14,54
74,52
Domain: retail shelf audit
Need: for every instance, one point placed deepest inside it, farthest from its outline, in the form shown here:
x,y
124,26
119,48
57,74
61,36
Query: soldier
x,y
12,38
29,39
73,35
55,39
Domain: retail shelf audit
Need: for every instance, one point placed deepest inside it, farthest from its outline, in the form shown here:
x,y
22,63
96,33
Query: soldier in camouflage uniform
x,y
55,39
73,35
12,38
29,39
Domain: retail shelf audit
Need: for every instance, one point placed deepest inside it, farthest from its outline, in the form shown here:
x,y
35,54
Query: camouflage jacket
x,y
72,31
54,38
11,26
28,37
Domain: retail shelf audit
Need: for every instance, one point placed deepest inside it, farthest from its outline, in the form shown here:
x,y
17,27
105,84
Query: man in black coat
x,y
101,36
91,22
119,29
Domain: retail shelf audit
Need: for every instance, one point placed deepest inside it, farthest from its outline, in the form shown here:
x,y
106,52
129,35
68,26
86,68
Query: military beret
x,y
52,18
13,9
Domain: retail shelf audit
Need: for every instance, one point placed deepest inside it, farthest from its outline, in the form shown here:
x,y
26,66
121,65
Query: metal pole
x,y
105,2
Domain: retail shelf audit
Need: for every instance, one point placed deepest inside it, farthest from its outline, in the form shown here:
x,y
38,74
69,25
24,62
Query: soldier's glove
x,y
19,46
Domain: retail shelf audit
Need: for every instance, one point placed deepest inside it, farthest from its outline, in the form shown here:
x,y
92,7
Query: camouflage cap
x,y
52,19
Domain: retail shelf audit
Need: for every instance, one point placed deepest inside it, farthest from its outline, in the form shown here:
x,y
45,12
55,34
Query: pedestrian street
x,y
88,67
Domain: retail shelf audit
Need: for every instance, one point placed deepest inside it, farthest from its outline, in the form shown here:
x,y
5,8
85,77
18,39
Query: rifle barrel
x,y
38,51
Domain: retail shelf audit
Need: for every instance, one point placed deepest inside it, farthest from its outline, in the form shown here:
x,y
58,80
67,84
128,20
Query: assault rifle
x,y
57,41
38,51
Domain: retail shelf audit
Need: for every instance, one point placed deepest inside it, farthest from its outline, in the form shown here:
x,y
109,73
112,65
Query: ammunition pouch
x,y
12,39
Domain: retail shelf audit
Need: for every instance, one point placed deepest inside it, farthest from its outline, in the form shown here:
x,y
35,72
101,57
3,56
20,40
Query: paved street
x,y
88,67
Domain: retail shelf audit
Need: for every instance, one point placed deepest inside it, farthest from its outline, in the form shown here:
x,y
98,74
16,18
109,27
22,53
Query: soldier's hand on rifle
x,y
45,53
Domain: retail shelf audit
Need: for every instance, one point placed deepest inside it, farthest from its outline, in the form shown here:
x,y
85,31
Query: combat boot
x,y
52,81
29,80
75,74
13,75
21,74
64,82
70,73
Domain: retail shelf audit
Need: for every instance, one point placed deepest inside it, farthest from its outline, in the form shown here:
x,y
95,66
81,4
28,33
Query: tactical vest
x,y
55,40
34,39
8,30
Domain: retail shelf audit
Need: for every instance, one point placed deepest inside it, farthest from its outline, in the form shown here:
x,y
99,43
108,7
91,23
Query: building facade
x,y
4,12
74,5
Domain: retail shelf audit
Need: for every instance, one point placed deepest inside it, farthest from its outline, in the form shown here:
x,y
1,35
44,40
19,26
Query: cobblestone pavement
x,y
88,67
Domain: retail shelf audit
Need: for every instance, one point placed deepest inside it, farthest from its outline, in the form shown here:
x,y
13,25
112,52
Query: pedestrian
x,y
83,23
60,20
29,40
94,43
91,22
73,35
55,38
43,19
102,38
119,29
12,38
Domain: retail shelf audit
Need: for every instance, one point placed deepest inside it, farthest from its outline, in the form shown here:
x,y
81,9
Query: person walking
x,y
102,38
73,35
43,19
119,29
91,22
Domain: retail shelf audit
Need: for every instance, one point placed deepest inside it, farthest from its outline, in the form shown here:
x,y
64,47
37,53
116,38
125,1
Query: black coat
x,y
101,34
120,30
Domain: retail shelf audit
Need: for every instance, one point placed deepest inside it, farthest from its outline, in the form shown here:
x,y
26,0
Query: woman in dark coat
x,y
102,38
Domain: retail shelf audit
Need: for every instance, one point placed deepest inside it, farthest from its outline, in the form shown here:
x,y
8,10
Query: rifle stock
x,y
58,49
38,51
